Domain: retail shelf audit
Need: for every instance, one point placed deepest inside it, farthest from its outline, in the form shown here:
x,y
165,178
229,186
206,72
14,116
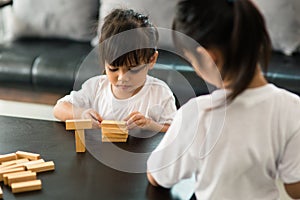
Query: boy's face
x,y
126,81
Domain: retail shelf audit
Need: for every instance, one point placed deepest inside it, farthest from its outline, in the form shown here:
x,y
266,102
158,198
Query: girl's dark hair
x,y
127,49
236,28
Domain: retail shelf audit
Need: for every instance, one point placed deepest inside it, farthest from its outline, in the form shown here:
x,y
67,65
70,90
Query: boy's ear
x,y
153,60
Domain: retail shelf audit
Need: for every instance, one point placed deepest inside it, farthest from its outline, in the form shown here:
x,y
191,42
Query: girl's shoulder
x,y
200,103
286,99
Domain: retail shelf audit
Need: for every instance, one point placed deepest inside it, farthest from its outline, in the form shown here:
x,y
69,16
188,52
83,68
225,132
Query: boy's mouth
x,y
123,87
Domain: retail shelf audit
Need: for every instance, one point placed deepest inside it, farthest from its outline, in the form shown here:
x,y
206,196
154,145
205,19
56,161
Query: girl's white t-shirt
x,y
235,152
155,100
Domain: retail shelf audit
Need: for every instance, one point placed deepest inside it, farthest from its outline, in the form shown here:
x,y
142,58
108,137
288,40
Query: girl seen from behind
x,y
259,137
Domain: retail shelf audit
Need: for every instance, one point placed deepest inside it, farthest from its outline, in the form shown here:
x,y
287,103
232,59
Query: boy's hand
x,y
92,114
136,119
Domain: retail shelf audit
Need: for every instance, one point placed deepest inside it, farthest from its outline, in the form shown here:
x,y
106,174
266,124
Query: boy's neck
x,y
124,96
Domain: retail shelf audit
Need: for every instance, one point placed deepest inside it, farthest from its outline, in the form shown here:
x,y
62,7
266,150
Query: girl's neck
x,y
258,79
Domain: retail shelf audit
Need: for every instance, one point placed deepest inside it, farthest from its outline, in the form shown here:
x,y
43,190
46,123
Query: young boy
x,y
126,92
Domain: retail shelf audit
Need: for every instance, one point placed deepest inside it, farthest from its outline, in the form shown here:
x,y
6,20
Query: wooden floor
x,y
29,96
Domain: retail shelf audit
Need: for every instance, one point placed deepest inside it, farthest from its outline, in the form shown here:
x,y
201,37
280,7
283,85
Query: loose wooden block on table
x,y
78,124
16,178
6,175
33,162
26,186
13,166
29,155
8,157
6,171
42,167
13,162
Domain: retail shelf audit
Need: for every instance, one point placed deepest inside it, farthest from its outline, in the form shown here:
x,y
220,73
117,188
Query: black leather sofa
x,y
58,66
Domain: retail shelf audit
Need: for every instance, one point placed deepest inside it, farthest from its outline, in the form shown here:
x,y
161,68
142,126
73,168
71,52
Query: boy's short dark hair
x,y
127,38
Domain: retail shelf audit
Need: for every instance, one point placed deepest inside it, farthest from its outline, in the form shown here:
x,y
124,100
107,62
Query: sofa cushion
x,y
283,23
42,64
160,12
75,19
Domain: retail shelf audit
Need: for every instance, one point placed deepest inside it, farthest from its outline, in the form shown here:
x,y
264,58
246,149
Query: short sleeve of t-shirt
x,y
84,97
161,101
289,166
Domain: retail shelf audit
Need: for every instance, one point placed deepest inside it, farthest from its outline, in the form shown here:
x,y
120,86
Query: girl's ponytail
x,y
249,44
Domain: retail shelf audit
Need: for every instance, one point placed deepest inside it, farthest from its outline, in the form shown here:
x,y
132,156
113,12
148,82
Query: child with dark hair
x,y
240,138
128,51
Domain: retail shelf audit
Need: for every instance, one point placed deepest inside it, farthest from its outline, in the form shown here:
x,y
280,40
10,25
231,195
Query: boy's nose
x,y
123,75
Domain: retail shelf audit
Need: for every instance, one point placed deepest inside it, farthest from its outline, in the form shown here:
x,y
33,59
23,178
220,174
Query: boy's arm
x,y
65,110
293,190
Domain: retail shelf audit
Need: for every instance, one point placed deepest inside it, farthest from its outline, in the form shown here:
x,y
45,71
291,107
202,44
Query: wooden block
x,y
77,124
33,162
23,164
29,155
8,157
113,124
26,186
5,176
16,178
114,135
105,139
114,130
14,162
13,166
42,167
80,141
6,171
1,193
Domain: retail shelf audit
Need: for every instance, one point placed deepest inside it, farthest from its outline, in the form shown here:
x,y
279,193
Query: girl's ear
x,y
153,60
213,53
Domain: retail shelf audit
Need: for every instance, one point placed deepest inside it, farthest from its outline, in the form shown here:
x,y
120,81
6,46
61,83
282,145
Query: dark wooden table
x,y
106,171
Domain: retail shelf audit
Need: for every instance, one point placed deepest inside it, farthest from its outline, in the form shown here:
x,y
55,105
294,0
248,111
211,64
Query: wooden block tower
x,y
114,131
79,125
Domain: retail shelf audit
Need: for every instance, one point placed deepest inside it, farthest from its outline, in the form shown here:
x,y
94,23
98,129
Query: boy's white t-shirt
x,y
235,152
155,100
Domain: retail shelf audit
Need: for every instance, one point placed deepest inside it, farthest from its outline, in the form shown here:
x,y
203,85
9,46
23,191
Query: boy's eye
x,y
113,69
136,70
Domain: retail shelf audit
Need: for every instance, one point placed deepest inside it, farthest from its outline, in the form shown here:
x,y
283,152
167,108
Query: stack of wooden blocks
x,y
18,170
114,131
